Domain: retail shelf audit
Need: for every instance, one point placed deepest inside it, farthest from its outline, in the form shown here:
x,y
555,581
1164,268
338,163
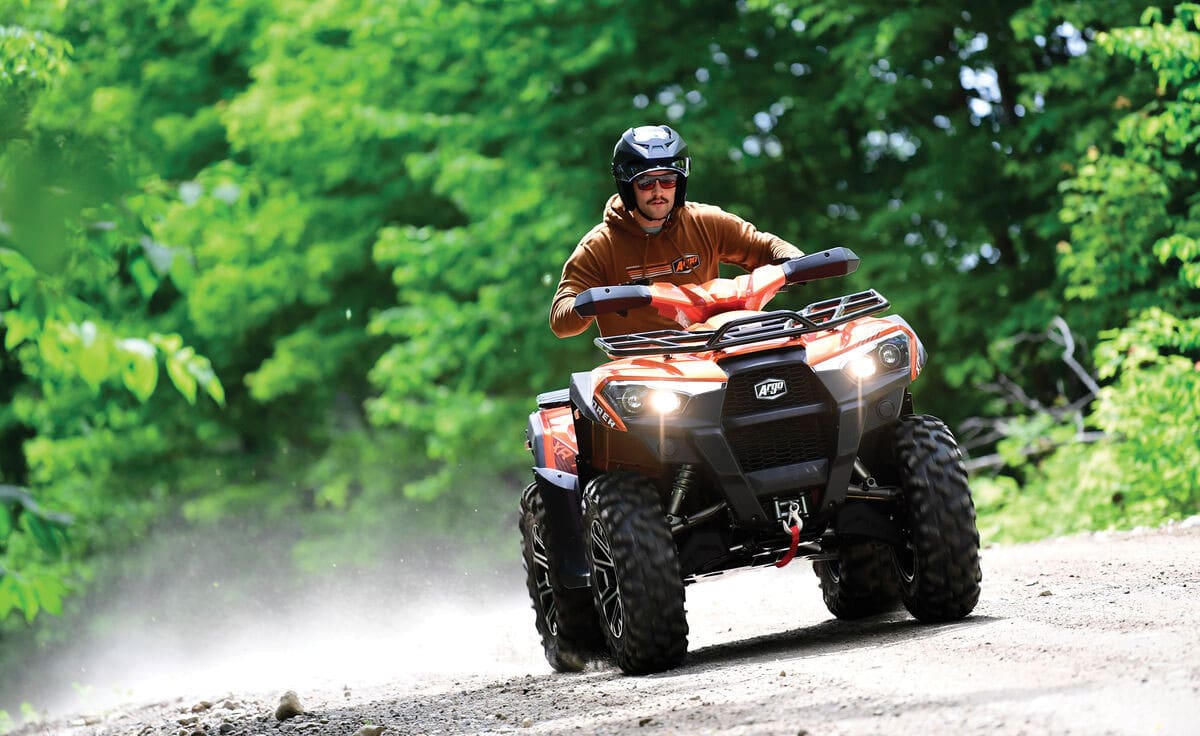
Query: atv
x,y
746,438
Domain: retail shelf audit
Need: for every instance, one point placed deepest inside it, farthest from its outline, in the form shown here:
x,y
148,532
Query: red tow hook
x,y
793,517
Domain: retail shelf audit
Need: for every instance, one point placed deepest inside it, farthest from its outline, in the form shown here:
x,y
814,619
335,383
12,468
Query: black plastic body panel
x,y
537,440
564,521
581,395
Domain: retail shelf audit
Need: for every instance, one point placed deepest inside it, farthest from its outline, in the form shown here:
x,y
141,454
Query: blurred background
x,y
275,274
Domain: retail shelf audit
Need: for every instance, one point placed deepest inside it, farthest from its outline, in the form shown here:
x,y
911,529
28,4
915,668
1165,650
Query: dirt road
x,y
1094,634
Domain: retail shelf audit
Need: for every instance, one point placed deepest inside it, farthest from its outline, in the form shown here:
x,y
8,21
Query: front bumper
x,y
755,455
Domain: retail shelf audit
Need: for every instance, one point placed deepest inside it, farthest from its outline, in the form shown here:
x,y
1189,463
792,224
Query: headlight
x,y
892,355
871,360
655,398
665,402
862,366
886,356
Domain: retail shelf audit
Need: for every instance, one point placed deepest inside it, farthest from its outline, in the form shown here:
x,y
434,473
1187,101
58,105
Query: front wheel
x,y
565,619
939,564
636,580
860,582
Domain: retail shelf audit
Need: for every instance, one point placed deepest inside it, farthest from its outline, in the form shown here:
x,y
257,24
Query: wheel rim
x,y
541,578
834,570
906,562
604,579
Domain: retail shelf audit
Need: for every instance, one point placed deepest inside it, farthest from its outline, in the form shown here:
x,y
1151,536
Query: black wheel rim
x,y
834,570
604,578
541,578
906,562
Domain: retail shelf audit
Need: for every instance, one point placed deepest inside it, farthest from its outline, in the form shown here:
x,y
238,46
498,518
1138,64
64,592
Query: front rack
x,y
815,317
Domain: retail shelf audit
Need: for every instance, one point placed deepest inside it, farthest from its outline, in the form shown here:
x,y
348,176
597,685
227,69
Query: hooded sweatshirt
x,y
687,250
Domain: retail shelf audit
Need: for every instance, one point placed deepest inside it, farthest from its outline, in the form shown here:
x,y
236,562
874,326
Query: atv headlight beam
x,y
862,367
872,360
664,402
661,398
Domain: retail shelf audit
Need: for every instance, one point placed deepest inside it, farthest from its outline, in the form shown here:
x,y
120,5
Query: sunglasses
x,y
646,183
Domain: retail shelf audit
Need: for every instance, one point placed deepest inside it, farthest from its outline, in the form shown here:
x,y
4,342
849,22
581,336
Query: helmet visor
x,y
628,170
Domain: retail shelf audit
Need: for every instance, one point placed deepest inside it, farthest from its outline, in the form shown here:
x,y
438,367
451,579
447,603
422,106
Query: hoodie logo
x,y
687,264
684,264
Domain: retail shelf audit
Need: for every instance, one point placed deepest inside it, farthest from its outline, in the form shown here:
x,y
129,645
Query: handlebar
x,y
692,303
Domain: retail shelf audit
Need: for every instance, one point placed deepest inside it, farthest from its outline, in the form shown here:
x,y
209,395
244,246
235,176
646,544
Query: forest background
x,y
286,265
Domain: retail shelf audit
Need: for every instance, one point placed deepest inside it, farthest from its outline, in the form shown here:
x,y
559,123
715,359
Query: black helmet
x,y
644,148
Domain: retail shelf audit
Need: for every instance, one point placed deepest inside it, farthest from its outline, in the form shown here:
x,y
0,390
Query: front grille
x,y
782,441
802,388
785,442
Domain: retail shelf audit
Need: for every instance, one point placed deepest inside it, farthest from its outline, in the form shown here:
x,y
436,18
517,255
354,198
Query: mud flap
x,y
564,522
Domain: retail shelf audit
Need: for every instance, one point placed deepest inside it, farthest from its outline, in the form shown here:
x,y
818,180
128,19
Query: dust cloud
x,y
204,616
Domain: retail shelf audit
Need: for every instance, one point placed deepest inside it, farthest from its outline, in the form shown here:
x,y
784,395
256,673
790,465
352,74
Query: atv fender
x,y
564,521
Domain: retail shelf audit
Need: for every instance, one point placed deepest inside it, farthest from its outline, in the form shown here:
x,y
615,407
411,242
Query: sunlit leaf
x,y
95,357
140,373
179,370
18,328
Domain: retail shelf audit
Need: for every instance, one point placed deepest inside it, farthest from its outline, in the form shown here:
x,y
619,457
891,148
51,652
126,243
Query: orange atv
x,y
746,438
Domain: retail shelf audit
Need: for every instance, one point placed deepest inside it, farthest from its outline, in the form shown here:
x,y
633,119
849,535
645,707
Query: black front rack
x,y
815,317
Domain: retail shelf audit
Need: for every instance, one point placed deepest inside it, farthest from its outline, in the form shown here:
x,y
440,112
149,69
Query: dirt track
x,y
1094,634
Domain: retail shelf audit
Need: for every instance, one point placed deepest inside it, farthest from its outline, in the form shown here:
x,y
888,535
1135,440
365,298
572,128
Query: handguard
x,y
609,299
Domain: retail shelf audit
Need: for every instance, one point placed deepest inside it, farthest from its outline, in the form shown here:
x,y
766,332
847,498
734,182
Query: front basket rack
x,y
823,315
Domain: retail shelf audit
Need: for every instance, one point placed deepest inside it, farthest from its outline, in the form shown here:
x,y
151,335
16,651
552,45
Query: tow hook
x,y
795,522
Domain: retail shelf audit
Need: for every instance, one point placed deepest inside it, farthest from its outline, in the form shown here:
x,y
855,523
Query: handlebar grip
x,y
821,265
609,299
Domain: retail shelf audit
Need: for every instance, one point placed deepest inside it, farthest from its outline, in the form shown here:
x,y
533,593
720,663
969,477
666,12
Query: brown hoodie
x,y
689,248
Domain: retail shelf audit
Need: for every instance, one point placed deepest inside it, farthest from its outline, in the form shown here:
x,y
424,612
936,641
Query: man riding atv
x,y
651,233
721,436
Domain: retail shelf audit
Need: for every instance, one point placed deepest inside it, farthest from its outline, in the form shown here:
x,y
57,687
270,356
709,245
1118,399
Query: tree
x,y
66,340
1133,259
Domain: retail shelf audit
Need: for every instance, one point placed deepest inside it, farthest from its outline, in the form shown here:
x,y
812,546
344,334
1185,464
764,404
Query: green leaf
x,y
19,328
169,344
179,370
201,369
8,594
95,356
16,266
145,278
27,600
50,591
215,390
140,373
43,534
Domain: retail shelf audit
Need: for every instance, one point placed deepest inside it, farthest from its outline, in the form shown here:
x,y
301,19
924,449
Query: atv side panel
x,y
563,502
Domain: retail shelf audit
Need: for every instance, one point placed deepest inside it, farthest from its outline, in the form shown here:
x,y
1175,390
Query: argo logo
x,y
686,264
770,389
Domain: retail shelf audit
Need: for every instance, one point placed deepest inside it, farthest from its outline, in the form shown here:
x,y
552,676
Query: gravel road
x,y
1091,634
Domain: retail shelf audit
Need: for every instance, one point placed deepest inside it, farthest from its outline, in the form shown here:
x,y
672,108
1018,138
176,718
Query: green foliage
x,y
27,583
1132,259
64,342
1148,466
1151,411
72,329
